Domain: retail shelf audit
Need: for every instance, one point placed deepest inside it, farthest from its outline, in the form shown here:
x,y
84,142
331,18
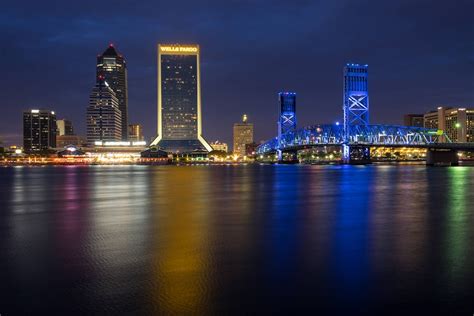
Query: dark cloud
x,y
421,54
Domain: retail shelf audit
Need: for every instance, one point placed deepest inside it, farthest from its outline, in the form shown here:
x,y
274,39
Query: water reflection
x,y
216,240
459,221
180,241
351,231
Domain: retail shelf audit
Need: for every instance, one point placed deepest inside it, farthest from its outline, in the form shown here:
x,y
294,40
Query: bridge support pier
x,y
279,154
442,157
356,155
288,157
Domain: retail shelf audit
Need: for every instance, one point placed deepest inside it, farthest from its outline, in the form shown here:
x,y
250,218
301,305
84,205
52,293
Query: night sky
x,y
420,55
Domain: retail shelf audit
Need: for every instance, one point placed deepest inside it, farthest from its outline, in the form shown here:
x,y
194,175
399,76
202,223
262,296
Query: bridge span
x,y
358,139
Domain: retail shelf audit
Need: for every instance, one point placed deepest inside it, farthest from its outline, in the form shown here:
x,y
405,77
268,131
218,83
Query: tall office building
x,y
179,100
355,96
103,114
243,135
287,107
64,127
113,68
39,130
135,133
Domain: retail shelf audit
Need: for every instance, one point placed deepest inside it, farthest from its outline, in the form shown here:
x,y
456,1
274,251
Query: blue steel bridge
x,y
367,135
355,136
358,140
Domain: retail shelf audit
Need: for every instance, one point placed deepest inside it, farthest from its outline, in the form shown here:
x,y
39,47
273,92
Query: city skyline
x,y
237,157
427,74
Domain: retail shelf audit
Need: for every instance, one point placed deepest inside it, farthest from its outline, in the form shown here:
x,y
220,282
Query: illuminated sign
x,y
179,49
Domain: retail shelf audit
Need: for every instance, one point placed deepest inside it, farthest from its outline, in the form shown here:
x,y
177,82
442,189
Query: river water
x,y
350,240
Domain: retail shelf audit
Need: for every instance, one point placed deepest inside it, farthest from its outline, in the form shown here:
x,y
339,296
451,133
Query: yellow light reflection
x,y
180,243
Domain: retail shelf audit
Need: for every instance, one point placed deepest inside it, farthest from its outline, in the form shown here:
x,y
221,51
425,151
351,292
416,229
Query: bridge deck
x,y
362,135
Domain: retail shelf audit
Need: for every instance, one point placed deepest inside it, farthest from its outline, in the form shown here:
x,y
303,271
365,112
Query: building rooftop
x,y
110,51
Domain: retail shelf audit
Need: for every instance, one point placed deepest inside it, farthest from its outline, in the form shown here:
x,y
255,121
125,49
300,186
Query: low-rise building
x,y
416,120
219,146
251,149
70,140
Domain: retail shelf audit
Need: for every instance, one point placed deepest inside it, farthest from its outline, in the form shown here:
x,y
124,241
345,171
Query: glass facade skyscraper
x,y
103,114
179,100
112,67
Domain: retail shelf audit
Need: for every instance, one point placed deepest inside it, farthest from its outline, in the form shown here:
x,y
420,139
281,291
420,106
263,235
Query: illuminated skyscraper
x,y
243,135
179,100
103,114
113,68
39,130
355,96
287,107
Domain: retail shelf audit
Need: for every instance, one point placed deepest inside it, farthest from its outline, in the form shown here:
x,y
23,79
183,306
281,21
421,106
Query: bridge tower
x,y
355,101
287,115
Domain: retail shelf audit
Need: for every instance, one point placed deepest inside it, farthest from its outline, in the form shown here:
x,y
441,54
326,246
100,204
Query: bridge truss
x,y
368,135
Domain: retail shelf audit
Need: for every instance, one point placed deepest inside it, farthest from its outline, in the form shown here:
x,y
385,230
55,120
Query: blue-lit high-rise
x,y
355,96
287,107
179,100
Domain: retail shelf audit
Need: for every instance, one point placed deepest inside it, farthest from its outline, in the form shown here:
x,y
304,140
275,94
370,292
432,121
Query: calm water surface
x,y
227,239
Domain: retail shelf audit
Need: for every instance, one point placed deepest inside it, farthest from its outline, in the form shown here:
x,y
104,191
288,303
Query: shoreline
x,y
208,163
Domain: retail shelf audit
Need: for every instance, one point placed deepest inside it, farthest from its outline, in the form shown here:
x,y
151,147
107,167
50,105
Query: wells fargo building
x,y
179,100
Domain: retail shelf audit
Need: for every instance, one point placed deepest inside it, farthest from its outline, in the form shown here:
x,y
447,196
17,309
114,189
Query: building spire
x,y
110,51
